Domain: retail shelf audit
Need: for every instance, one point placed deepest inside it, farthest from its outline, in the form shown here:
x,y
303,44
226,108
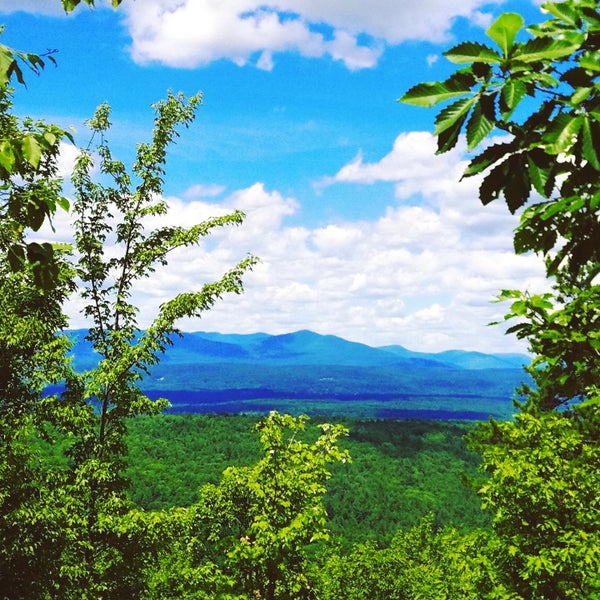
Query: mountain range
x,y
305,348
325,374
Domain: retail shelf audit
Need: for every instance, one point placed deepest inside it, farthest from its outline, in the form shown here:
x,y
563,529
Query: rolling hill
x,y
325,374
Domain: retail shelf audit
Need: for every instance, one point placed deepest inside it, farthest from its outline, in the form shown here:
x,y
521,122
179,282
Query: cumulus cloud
x,y
189,33
414,276
422,274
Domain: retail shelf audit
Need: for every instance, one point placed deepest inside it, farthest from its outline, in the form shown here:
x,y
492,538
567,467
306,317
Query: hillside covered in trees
x,y
98,501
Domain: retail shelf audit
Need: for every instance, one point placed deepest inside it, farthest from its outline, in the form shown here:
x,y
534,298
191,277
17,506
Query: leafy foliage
x,y
543,94
69,530
401,471
251,531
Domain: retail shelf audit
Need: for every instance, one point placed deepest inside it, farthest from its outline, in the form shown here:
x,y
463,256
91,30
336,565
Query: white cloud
x,y
189,33
418,275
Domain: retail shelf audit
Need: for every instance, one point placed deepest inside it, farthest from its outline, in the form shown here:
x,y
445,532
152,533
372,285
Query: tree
x,y
419,563
86,540
66,526
543,95
248,537
30,193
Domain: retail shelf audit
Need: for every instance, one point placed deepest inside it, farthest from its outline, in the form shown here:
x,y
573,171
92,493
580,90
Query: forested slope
x,y
400,472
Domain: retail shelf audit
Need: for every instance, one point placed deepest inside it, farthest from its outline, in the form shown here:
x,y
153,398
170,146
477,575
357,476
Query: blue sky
x,y
362,231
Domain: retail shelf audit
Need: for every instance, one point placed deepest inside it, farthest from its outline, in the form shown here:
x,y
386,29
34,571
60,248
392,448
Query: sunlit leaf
x,y
581,94
561,133
430,94
546,49
504,30
7,156
591,142
540,172
512,93
448,138
478,127
32,151
469,52
449,115
562,11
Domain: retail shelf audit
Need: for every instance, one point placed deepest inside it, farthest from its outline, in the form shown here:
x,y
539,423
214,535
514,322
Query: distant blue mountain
x,y
325,374
464,359
305,348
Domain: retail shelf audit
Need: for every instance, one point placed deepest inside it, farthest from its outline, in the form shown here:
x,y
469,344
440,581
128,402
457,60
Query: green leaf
x,y
63,203
591,142
32,151
69,5
562,11
469,52
448,138
450,115
6,61
541,171
561,133
488,157
581,94
546,49
504,31
430,94
7,156
478,127
50,138
590,61
513,91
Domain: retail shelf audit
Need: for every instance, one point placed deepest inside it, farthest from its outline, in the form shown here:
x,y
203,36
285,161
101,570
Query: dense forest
x,y
400,471
97,500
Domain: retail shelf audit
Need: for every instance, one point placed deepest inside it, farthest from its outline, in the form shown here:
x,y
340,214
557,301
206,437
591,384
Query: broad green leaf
x,y
513,91
539,79
546,49
488,157
449,115
6,61
7,156
581,94
504,31
540,173
590,61
591,142
469,52
430,94
561,133
478,127
518,308
448,138
32,151
50,138
63,203
562,11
